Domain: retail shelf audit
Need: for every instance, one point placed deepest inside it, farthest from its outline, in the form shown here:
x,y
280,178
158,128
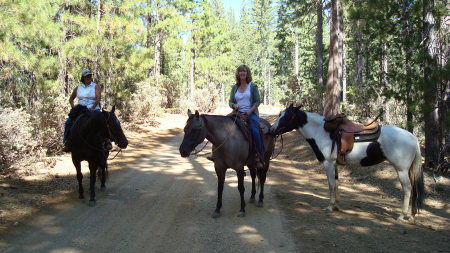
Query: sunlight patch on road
x,y
250,234
65,250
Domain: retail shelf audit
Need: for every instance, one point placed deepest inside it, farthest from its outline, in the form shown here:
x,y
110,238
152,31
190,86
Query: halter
x,y
226,139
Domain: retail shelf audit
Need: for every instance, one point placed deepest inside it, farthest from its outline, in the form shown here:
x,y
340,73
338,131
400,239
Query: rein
x,y
226,139
282,145
91,146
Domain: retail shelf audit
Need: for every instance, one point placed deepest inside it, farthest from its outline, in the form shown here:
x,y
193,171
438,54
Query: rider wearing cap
x,y
88,94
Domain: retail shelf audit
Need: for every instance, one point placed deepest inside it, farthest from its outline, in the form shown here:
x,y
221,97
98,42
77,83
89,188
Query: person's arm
x,y
232,100
73,96
98,97
256,100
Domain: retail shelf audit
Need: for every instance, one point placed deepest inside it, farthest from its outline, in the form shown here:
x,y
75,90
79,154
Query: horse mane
x,y
314,117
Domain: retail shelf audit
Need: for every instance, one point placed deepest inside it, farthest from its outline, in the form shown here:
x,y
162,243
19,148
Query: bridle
x,y
226,139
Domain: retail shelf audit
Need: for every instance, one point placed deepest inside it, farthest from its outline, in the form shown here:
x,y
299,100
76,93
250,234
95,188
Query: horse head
x,y
194,133
288,120
115,130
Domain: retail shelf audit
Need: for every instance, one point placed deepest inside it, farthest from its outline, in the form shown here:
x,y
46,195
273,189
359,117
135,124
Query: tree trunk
x,y
333,92
360,60
319,43
192,70
158,38
341,49
296,53
430,108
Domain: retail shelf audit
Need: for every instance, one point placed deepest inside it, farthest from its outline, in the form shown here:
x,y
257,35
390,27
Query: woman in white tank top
x,y
88,94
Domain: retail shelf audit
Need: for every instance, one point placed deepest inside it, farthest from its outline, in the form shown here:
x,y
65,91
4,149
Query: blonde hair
x,y
249,74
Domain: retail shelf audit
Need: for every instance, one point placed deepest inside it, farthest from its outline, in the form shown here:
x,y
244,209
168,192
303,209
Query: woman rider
x,y
89,95
244,98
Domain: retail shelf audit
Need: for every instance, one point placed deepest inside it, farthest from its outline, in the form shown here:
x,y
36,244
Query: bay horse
x,y
86,139
396,145
230,150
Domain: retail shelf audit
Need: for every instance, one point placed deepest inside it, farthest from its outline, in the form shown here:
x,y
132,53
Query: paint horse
x,y
230,150
86,139
394,144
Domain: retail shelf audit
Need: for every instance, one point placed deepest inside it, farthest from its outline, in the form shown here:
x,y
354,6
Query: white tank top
x,y
243,99
86,95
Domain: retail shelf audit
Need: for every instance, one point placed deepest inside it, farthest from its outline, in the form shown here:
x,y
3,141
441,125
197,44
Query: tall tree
x,y
430,86
333,92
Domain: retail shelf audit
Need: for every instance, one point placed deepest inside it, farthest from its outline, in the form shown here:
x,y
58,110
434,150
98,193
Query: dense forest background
x,y
355,57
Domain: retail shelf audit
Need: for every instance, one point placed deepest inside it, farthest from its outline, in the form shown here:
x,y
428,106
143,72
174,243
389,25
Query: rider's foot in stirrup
x,y
107,144
259,163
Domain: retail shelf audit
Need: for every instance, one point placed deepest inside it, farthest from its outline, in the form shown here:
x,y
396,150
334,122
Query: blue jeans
x,y
253,122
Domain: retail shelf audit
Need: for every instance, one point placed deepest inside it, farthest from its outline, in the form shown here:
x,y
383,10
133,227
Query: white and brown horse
x,y
396,145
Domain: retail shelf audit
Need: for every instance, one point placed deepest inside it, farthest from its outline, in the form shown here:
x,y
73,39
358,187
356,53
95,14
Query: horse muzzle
x,y
123,145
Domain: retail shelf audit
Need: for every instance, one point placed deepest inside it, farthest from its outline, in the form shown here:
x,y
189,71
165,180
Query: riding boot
x,y
259,162
107,144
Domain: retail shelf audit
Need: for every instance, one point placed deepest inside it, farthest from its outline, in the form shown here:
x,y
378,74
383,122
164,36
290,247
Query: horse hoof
x,y
260,204
252,200
241,214
404,218
332,208
91,202
216,215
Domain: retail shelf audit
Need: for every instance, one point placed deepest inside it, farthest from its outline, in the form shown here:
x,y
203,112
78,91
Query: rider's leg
x,y
67,126
254,128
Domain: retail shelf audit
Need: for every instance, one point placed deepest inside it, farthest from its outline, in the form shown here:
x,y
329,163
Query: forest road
x,y
156,202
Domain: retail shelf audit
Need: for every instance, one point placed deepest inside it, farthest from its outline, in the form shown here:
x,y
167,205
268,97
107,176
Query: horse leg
x,y
253,175
406,185
332,186
241,188
103,168
79,178
262,179
93,171
220,181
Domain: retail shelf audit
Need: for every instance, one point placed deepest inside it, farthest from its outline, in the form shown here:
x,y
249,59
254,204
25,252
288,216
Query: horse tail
x,y
416,178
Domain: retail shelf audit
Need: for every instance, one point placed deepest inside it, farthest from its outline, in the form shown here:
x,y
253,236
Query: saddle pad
x,y
368,137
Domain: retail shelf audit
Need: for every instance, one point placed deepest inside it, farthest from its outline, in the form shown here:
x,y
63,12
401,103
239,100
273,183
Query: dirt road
x,y
157,202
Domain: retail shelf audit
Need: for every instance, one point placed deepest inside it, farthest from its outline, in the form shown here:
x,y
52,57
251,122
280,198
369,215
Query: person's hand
x,y
248,112
236,107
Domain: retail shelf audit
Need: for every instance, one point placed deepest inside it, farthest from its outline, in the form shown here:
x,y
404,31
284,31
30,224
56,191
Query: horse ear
x,y
196,114
298,107
189,113
291,105
114,108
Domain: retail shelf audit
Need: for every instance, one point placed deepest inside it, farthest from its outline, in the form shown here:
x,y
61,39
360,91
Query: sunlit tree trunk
x,y
333,92
158,38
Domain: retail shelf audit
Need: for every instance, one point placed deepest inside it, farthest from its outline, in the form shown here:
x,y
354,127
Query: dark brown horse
x,y
86,140
230,150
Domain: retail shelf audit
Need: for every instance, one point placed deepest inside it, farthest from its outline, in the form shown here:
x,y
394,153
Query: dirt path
x,y
157,201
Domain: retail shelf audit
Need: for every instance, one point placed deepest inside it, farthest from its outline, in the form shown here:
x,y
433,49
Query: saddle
x,y
345,133
241,121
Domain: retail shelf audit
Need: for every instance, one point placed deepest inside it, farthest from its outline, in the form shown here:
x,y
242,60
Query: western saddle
x,y
345,132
